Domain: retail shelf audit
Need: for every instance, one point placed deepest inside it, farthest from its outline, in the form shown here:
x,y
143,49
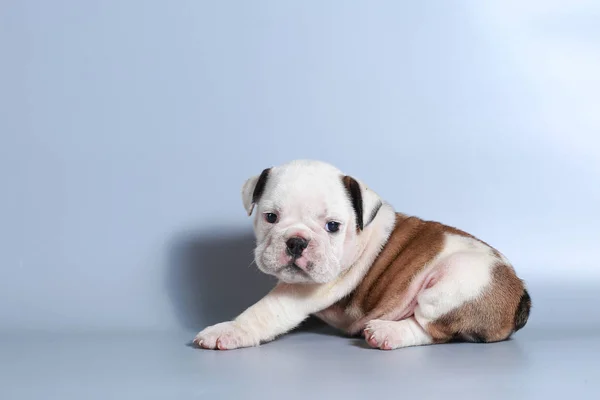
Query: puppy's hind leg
x,y
466,276
389,335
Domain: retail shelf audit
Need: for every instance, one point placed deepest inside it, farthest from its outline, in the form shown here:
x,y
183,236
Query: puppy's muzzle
x,y
295,246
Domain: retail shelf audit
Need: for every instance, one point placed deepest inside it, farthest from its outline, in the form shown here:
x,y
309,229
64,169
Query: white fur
x,y
465,267
287,305
247,191
305,195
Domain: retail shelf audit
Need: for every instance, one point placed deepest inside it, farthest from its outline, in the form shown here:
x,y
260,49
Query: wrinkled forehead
x,y
307,190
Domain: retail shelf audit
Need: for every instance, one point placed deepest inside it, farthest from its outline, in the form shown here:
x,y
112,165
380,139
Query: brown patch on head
x,y
260,185
353,189
491,317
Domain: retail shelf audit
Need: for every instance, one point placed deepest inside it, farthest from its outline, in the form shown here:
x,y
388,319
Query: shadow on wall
x,y
213,279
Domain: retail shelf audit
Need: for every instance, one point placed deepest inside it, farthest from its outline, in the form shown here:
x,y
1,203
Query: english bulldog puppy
x,y
342,253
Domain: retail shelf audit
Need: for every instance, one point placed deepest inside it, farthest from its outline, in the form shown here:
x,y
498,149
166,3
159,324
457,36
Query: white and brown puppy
x,y
343,254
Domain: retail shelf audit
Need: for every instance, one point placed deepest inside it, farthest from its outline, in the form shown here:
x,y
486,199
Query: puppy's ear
x,y
253,188
365,202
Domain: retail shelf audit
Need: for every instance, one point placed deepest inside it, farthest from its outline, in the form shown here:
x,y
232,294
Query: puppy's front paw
x,y
225,336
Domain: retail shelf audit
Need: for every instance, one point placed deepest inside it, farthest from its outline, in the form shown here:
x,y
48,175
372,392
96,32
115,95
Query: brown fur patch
x,y
412,245
489,318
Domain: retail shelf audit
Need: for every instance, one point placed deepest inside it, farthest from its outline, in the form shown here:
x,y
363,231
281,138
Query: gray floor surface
x,y
535,364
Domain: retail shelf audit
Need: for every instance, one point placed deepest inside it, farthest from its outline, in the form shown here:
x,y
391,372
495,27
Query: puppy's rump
x,y
458,287
500,311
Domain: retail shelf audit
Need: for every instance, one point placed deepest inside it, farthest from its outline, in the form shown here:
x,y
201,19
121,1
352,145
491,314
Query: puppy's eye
x,y
271,218
332,226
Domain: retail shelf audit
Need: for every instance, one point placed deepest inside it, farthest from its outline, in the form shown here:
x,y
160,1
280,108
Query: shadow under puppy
x,y
343,254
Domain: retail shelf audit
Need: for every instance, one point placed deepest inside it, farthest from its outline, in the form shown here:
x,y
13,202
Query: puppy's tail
x,y
523,309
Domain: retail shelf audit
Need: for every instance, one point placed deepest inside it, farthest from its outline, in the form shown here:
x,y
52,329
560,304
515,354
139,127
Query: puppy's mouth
x,y
293,267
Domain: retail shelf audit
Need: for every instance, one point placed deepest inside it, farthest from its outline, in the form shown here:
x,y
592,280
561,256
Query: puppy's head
x,y
309,220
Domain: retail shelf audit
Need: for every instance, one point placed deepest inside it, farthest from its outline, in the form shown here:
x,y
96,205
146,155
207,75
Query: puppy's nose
x,y
296,245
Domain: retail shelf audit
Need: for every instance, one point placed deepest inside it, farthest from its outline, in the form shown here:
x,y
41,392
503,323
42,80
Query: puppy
x,y
343,254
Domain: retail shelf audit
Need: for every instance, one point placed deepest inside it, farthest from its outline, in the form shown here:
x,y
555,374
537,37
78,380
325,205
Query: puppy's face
x,y
309,220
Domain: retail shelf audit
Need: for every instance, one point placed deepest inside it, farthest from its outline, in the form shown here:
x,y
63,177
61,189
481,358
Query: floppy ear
x,y
253,189
365,202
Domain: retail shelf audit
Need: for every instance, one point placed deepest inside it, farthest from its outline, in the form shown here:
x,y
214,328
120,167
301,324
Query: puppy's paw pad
x,y
224,336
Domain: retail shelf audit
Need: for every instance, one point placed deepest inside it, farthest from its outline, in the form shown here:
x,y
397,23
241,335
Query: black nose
x,y
295,246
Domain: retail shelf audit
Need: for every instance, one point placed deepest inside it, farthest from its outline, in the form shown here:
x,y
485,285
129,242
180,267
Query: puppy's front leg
x,y
284,308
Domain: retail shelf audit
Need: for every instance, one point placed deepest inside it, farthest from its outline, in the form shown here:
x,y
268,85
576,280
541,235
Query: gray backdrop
x,y
128,128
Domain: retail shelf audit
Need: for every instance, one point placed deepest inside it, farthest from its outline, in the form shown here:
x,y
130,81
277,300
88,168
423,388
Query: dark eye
x,y
271,218
332,226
